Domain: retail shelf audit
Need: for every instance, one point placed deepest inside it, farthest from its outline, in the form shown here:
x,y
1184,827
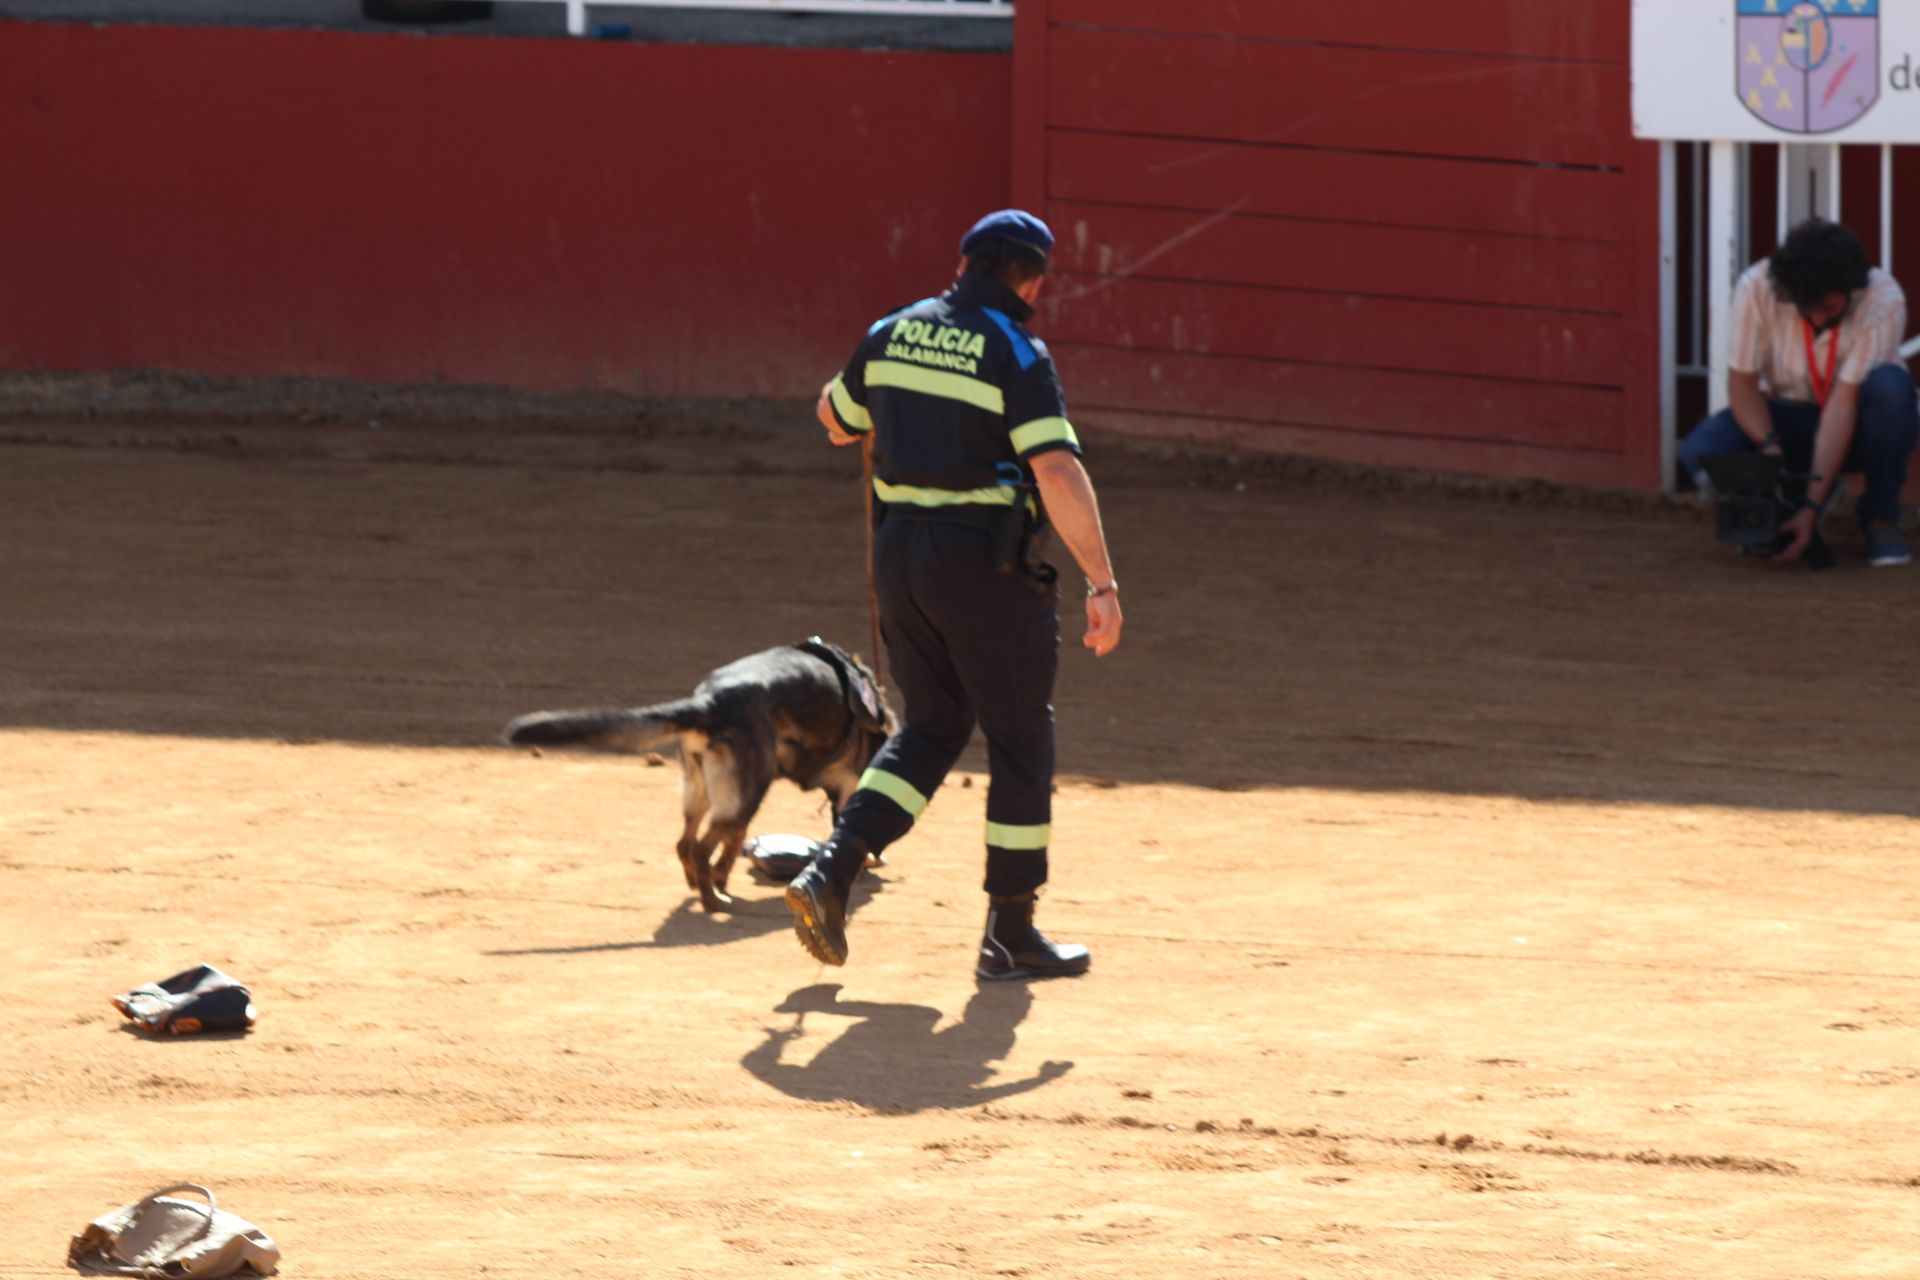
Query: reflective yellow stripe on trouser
x,y
1010,835
894,788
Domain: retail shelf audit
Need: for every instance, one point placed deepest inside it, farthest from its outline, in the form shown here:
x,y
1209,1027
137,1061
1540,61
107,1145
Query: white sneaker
x,y
1886,545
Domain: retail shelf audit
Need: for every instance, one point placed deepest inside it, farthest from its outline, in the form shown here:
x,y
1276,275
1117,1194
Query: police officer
x,y
973,457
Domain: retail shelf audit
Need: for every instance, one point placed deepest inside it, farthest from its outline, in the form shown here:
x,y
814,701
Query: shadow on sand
x,y
688,926
896,1058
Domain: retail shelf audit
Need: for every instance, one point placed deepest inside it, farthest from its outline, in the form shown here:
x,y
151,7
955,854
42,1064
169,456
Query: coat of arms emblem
x,y
1807,66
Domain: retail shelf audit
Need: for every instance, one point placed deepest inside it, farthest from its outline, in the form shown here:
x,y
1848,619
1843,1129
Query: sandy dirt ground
x,y
1481,883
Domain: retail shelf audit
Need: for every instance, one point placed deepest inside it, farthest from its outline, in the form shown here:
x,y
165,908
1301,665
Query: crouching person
x,y
1815,376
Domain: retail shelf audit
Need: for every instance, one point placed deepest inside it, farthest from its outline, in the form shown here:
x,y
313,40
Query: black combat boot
x,y
1013,948
818,897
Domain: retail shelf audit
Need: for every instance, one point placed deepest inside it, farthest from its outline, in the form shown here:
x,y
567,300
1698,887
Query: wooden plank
x,y
1361,99
1378,333
1906,227
1576,30
1449,266
1641,445
1342,186
1558,466
270,171
1860,195
1030,135
1101,379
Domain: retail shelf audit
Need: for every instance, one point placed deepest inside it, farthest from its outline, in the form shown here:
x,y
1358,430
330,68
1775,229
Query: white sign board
x,y
1777,70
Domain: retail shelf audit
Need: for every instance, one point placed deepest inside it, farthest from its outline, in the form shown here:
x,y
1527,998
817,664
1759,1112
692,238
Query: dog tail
x,y
606,728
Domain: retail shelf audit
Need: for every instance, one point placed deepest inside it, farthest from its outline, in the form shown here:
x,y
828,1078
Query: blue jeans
x,y
1883,439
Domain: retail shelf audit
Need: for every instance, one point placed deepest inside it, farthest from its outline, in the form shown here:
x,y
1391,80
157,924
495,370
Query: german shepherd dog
x,y
809,712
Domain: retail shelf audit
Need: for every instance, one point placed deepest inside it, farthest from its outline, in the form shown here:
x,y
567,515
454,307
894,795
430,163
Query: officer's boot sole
x,y
1070,969
818,921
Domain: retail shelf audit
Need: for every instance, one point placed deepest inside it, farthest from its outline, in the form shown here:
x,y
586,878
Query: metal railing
x,y
1003,9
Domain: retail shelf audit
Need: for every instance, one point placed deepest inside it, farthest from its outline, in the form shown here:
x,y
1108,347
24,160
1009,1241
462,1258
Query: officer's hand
x,y
823,410
1103,624
1800,525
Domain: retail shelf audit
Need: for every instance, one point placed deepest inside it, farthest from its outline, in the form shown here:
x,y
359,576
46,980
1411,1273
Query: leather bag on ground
x,y
162,1237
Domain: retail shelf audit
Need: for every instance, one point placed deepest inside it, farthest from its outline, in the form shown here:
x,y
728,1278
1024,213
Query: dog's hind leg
x,y
725,838
736,790
694,803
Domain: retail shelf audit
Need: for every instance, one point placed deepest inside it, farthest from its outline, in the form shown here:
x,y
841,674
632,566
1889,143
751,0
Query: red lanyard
x,y
1821,386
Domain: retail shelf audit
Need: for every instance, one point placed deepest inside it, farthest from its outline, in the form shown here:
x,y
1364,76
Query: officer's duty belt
x,y
977,514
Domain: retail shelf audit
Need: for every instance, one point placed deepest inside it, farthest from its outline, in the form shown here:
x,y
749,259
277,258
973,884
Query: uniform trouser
x,y
1883,438
964,644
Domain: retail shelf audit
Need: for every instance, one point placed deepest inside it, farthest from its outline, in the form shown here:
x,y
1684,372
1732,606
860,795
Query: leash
x,y
873,595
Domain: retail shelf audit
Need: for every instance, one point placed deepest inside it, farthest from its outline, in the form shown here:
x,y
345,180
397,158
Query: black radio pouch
x,y
1019,542
1013,529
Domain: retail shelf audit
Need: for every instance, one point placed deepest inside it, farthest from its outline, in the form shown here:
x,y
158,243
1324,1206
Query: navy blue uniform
x,y
958,395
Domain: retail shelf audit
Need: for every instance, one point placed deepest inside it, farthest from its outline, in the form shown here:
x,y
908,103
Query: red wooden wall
x,y
1402,232
541,213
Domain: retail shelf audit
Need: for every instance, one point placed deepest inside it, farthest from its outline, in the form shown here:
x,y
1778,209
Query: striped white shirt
x,y
1769,336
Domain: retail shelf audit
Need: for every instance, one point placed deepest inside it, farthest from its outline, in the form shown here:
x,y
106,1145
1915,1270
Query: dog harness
x,y
856,688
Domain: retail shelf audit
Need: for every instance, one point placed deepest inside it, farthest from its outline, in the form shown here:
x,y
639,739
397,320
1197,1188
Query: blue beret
x,y
1016,225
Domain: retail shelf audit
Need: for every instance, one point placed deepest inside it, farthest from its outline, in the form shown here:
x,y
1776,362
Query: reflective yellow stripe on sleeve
x,y
853,416
895,788
1029,436
936,382
1007,835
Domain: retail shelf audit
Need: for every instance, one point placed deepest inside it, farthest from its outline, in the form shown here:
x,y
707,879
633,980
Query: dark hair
x,y
1009,260
1818,258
